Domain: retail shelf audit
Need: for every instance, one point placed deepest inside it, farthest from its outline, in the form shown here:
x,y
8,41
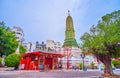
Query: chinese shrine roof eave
x,y
44,53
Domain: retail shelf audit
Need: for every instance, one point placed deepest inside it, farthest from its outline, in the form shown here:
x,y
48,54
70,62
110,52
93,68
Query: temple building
x,y
39,60
53,55
70,45
69,33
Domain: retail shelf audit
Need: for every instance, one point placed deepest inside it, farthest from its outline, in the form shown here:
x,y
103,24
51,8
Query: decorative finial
x,y
68,12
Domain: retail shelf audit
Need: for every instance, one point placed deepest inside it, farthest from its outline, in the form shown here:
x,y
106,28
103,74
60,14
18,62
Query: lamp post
x,y
83,56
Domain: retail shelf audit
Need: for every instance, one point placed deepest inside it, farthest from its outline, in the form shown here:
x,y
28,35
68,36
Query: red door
x,y
48,63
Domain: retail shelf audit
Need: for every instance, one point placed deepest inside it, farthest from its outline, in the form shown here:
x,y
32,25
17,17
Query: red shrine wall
x,y
39,61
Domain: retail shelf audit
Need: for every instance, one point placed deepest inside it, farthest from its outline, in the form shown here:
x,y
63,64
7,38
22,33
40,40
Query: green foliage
x,y
80,64
116,51
116,62
92,64
22,49
12,60
0,60
8,42
103,37
70,42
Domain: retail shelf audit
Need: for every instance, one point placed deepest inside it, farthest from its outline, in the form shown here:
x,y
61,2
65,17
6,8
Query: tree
x,y
8,41
22,49
103,40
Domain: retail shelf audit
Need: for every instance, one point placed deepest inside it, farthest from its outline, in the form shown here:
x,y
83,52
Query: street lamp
x,y
83,56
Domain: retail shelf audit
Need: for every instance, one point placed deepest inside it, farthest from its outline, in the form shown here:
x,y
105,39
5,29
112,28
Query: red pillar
x,y
53,63
68,65
44,62
57,62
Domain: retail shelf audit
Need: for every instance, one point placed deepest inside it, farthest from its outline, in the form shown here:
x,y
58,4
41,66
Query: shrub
x,y
0,60
12,60
80,65
92,64
116,63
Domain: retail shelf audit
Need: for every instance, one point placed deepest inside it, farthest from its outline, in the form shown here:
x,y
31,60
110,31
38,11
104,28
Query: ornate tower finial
x,y
68,12
69,33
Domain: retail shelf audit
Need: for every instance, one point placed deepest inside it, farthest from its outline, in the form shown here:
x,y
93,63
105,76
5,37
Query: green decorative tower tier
x,y
69,33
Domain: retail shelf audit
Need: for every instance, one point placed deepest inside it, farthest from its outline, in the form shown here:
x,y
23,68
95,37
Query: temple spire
x,y
69,33
68,12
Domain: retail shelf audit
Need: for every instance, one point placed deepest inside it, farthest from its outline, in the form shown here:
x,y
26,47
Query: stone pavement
x,y
51,74
10,73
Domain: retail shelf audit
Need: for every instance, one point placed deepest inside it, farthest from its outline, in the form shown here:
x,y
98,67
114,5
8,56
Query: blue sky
x,y
45,19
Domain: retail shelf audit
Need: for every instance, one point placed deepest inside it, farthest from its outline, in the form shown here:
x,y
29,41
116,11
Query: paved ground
x,y
51,74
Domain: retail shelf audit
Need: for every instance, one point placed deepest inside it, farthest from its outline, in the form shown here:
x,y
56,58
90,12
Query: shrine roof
x,y
44,53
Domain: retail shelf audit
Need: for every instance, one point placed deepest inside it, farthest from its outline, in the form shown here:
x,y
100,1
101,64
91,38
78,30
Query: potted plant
x,y
92,64
80,65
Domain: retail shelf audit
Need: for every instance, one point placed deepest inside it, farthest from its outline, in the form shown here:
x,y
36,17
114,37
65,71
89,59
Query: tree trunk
x,y
108,68
106,60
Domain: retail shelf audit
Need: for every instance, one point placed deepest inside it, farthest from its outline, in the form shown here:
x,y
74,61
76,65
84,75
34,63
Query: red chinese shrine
x,y
40,60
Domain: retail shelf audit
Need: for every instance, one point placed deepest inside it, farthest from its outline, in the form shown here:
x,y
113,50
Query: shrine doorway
x,y
48,62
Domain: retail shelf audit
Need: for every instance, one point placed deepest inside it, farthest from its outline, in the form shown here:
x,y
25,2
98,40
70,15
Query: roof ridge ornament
x,y
68,12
